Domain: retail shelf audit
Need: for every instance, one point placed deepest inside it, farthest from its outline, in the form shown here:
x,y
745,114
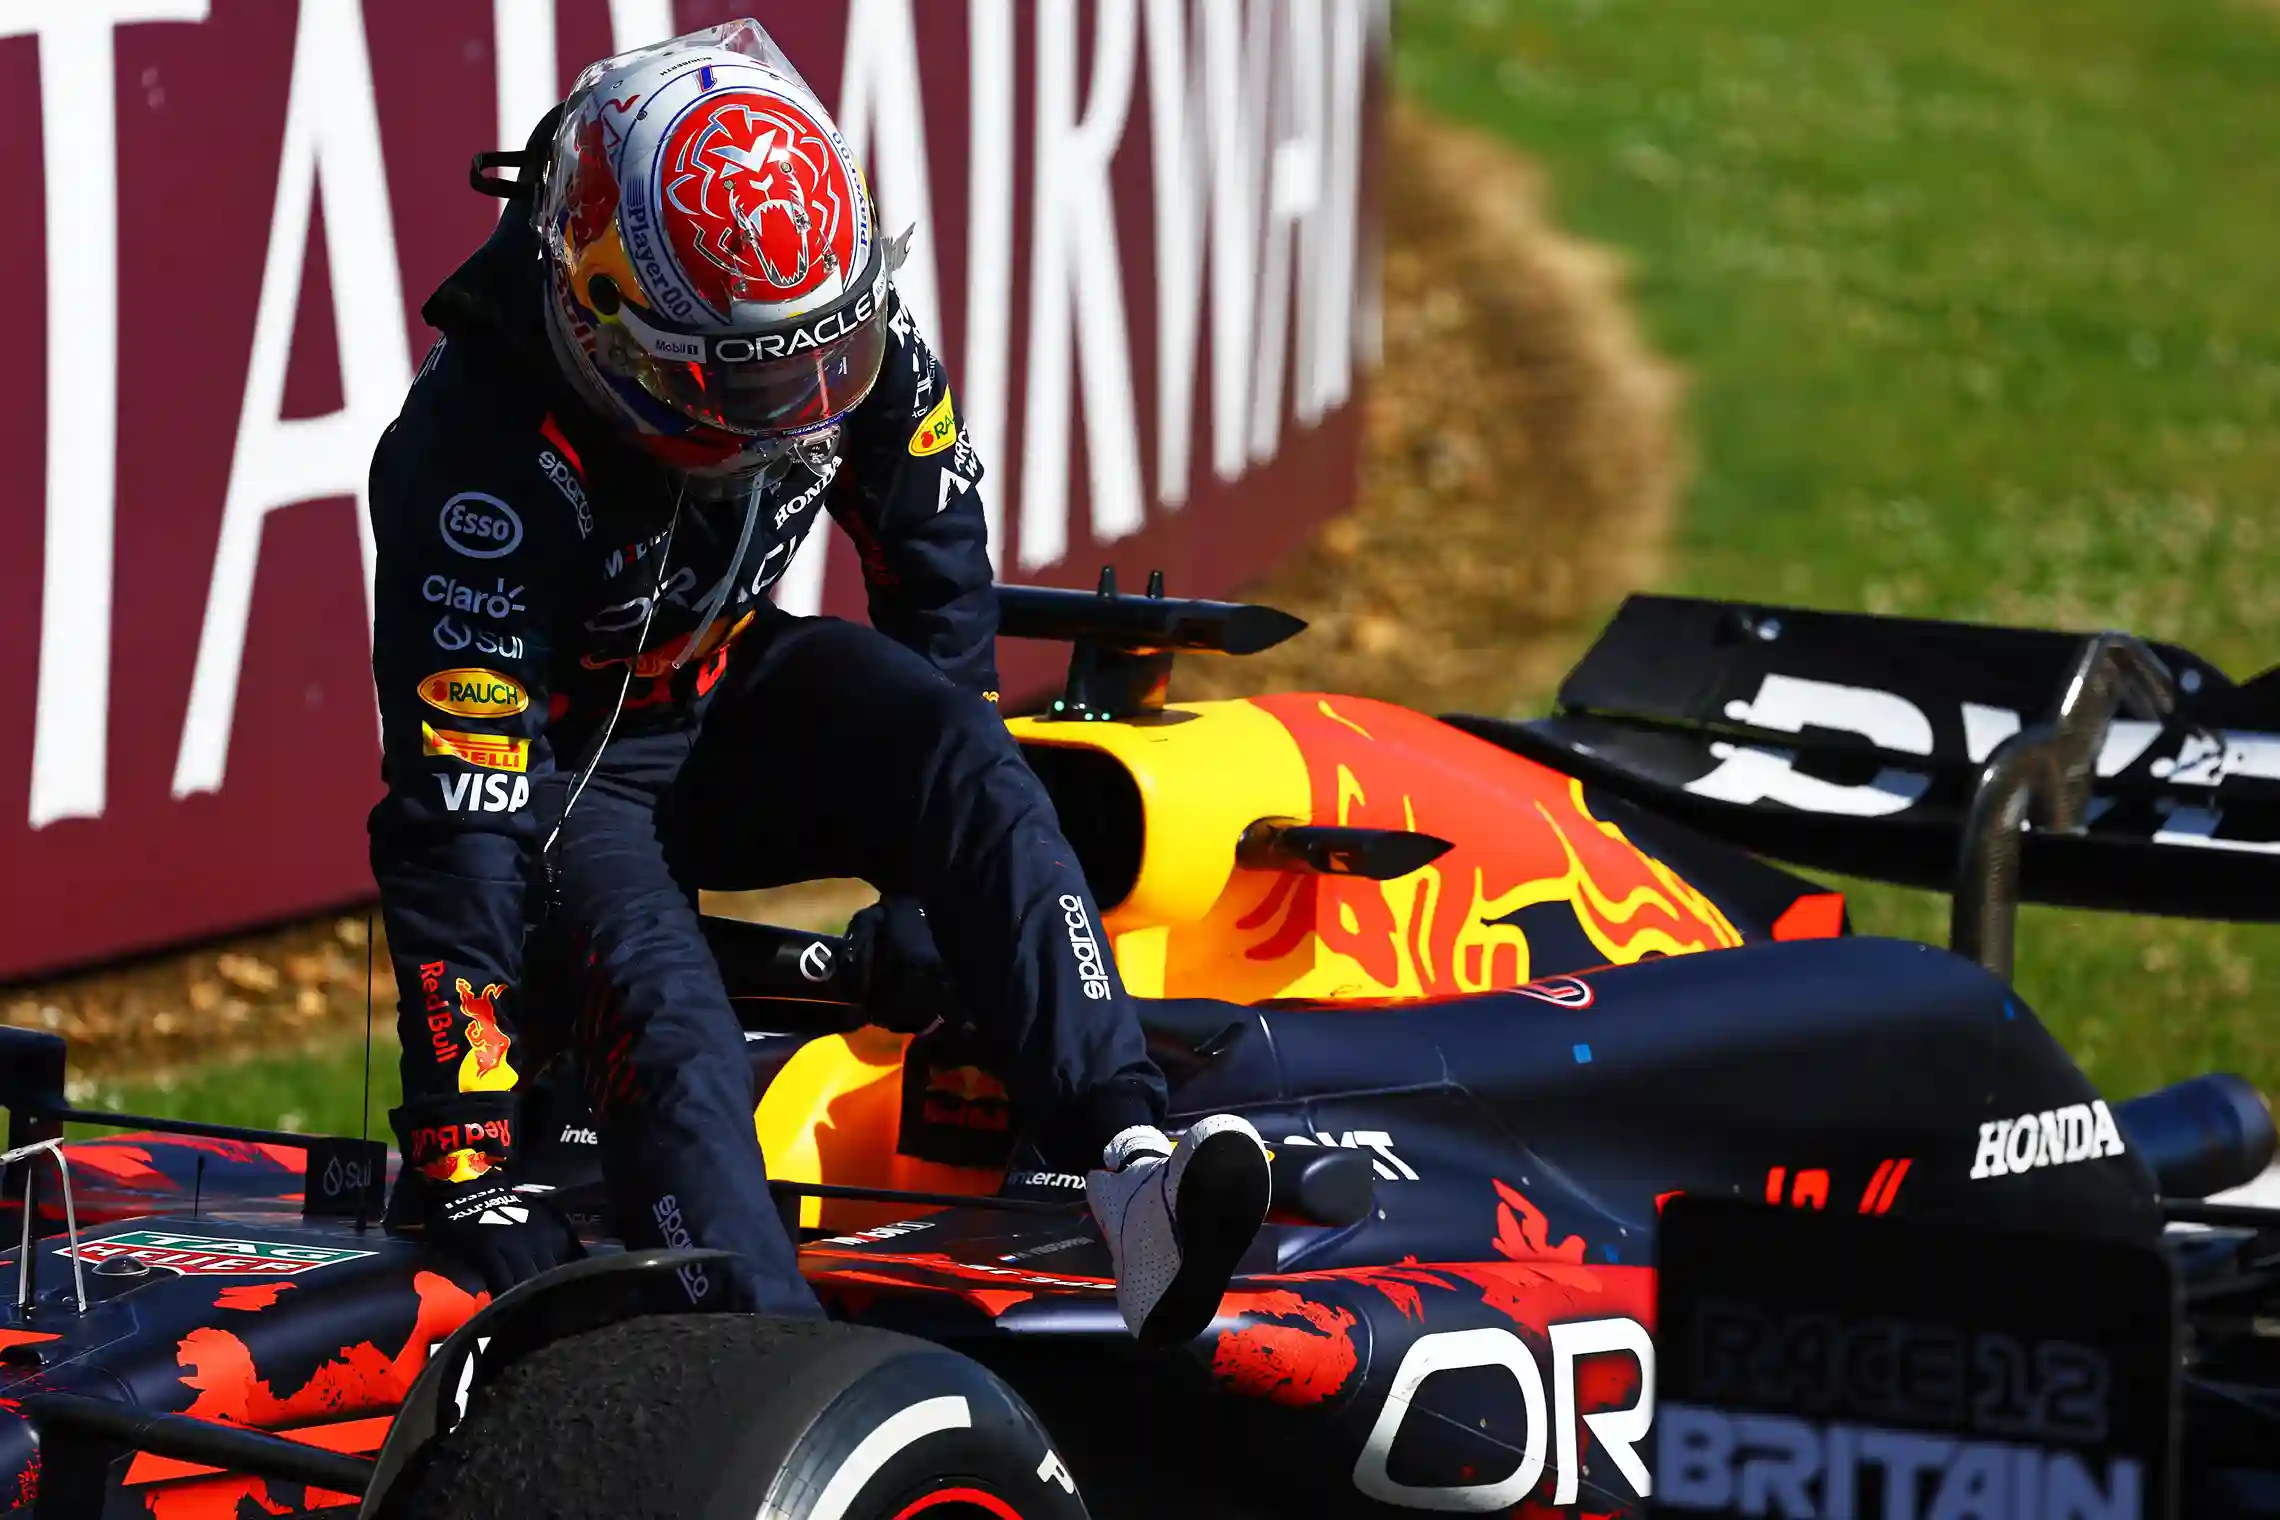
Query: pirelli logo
x,y
494,752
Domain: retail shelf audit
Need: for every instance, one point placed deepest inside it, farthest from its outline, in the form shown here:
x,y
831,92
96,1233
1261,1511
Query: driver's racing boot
x,y
1177,1219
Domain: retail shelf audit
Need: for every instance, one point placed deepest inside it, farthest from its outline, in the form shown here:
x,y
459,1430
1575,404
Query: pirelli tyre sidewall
x,y
736,1417
926,1436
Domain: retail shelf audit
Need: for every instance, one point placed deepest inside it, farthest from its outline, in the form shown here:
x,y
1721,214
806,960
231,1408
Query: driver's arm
x,y
909,495
459,658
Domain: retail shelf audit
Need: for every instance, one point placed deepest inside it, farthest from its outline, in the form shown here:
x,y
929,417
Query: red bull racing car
x,y
1496,992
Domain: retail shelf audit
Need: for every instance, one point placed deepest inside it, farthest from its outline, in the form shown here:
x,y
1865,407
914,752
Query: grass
x,y
315,1091
1982,316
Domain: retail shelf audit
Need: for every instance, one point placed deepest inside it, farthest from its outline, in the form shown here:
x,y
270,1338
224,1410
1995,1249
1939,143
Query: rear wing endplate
x,y
2125,775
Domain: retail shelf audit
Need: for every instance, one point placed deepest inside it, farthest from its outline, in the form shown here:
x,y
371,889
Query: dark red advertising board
x,y
1144,248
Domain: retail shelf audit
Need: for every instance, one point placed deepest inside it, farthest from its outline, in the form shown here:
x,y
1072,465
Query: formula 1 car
x,y
1495,992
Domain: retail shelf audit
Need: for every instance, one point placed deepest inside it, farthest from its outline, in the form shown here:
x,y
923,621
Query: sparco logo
x,y
1089,968
667,1212
480,526
2054,1137
566,481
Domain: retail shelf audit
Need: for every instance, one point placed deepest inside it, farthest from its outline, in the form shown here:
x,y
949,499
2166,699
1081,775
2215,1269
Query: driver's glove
x,y
505,1235
899,973
455,1191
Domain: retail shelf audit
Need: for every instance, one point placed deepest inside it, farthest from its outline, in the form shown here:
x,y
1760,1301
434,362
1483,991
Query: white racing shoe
x,y
1177,1219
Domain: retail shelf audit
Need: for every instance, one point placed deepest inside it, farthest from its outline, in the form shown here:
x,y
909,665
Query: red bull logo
x,y
457,1152
458,1166
650,664
485,1069
1527,840
970,1084
966,1098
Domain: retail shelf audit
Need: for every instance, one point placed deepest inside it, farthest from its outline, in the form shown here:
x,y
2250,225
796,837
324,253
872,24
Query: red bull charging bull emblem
x,y
1527,840
485,1069
966,1097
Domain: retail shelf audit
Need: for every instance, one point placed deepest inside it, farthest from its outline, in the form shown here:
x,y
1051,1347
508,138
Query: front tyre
x,y
740,1417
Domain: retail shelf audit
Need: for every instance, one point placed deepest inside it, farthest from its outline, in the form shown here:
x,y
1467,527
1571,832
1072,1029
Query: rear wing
x,y
2086,770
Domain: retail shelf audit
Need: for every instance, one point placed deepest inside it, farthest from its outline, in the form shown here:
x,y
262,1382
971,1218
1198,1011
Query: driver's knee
x,y
958,757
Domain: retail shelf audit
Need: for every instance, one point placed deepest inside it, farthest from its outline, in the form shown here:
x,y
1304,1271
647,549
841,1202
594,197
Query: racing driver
x,y
679,349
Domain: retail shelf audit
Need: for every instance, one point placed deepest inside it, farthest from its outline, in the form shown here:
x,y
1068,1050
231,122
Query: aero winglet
x,y
1283,844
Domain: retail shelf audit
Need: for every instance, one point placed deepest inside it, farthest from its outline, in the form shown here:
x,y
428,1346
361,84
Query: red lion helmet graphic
x,y
763,201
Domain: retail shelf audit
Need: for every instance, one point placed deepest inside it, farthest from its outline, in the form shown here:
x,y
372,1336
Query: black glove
x,y
899,974
507,1236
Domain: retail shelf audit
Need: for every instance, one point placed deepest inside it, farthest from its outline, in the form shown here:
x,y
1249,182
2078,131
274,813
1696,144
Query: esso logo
x,y
480,526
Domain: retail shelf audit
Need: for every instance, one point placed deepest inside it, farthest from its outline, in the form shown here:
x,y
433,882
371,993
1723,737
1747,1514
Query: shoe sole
x,y
1223,1201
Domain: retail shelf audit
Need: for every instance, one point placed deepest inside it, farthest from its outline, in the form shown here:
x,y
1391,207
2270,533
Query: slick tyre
x,y
737,1417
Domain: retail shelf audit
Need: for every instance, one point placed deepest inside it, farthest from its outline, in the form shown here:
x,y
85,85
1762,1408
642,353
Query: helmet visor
x,y
784,378
759,397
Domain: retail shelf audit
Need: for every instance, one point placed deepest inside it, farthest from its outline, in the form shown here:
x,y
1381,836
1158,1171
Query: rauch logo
x,y
469,693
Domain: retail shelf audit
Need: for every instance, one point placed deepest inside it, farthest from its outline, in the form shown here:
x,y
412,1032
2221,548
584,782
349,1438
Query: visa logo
x,y
466,792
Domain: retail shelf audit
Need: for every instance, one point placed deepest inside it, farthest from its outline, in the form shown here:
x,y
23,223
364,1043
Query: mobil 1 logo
x,y
1884,1368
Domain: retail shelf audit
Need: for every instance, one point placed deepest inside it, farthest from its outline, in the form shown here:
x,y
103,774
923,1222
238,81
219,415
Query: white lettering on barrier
x,y
79,167
1076,287
1207,118
524,67
332,134
989,239
879,84
880,87
1223,81
637,23
1290,204
1256,108
1327,285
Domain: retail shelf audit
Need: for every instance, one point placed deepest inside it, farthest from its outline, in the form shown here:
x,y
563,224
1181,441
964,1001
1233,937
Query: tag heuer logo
x,y
208,1256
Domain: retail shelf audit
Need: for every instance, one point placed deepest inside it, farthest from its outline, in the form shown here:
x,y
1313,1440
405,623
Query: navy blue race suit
x,y
522,546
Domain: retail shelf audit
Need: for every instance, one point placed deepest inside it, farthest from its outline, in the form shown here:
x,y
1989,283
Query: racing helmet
x,y
715,270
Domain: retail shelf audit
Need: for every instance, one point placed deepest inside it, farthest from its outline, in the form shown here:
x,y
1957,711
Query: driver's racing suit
x,y
522,551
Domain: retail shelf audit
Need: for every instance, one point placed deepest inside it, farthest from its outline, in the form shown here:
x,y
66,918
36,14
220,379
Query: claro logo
x,y
469,693
1087,950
